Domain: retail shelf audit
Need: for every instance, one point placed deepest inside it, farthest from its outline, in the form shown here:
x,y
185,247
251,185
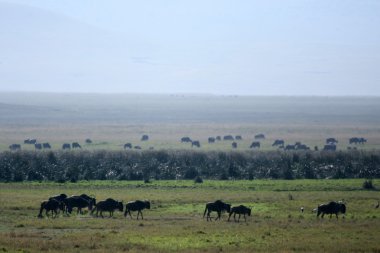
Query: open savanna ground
x,y
112,120
175,223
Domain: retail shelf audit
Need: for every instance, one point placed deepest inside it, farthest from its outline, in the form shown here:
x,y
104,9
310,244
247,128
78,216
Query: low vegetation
x,y
175,221
72,166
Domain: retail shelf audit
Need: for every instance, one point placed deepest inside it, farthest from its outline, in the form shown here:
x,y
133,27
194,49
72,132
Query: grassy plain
x,y
111,120
175,222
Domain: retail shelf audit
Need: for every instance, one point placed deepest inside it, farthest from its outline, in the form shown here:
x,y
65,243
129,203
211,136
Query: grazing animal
x,y
186,139
196,144
255,144
50,205
88,141
15,147
211,139
76,145
238,138
38,146
89,199
259,136
234,145
66,146
137,205
144,137
241,210
127,145
137,147
46,145
108,205
331,208
331,141
218,138
228,138
78,202
59,197
278,143
217,206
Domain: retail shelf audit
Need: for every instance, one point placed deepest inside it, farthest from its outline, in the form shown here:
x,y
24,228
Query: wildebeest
x,y
218,138
144,137
137,147
329,147
46,145
185,139
108,205
241,210
255,144
196,144
66,146
331,141
88,198
127,145
217,206
78,202
38,146
50,205
30,141
15,147
59,197
290,147
228,138
278,143
138,206
234,145
238,138
259,136
76,145
211,139
331,208
357,140
88,141
301,146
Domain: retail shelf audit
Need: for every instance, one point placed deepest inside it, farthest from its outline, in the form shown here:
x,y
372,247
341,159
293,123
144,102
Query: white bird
x,y
302,209
378,204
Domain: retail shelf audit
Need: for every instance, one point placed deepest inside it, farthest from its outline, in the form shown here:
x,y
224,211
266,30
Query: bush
x,y
368,185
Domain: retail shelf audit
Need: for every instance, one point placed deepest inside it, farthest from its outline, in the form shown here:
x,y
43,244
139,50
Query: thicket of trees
x,y
122,165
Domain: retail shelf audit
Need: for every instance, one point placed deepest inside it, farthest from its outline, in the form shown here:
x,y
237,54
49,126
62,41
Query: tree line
x,y
72,166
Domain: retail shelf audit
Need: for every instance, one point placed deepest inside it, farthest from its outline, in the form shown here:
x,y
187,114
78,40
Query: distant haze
x,y
240,47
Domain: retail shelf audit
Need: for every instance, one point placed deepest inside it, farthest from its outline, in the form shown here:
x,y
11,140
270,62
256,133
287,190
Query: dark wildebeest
x,y
137,147
108,205
138,206
59,197
217,206
331,208
196,144
127,145
218,138
46,145
50,205
185,139
76,145
66,146
239,210
211,139
15,147
255,144
38,146
88,141
329,147
259,136
228,138
290,147
30,141
144,137
78,202
234,145
238,138
331,141
278,143
89,199
301,146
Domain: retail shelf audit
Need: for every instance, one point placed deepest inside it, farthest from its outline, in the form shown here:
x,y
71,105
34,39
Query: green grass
x,y
175,222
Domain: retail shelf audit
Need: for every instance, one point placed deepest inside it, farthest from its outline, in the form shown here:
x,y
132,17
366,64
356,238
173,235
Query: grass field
x,y
175,222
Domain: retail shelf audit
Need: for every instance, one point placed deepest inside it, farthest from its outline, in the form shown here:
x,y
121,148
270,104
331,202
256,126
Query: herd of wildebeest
x,y
330,143
66,204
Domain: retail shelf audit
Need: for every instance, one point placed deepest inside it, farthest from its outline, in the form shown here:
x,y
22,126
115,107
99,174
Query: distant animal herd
x,y
330,143
62,203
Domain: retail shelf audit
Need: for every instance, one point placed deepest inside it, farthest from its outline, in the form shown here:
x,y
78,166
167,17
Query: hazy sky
x,y
292,47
